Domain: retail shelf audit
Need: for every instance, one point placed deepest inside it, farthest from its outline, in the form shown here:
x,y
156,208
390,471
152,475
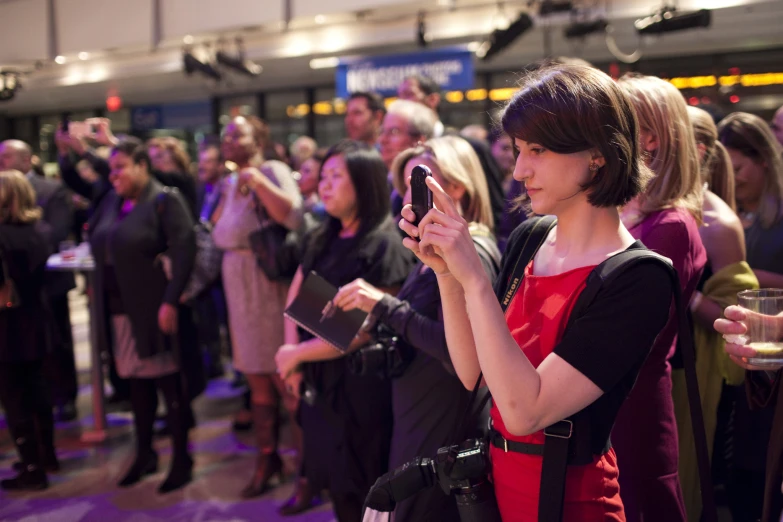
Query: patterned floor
x,y
85,490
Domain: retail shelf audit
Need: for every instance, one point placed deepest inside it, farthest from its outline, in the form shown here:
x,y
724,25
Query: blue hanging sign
x,y
452,69
171,116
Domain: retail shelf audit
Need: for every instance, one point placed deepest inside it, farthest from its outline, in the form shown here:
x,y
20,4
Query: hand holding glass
x,y
763,323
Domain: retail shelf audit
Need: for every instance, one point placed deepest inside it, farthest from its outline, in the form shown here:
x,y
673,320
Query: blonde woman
x,y
666,218
427,396
758,168
23,343
725,274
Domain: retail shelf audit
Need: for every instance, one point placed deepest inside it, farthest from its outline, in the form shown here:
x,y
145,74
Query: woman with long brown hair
x,y
665,217
725,274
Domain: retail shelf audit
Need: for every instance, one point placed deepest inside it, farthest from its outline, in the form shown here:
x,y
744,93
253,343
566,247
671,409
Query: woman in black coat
x,y
24,249
135,226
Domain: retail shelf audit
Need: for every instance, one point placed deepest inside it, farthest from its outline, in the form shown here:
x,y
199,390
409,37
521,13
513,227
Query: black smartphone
x,y
421,195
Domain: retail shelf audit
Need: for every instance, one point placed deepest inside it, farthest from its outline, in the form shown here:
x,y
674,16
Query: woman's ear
x,y
597,158
649,141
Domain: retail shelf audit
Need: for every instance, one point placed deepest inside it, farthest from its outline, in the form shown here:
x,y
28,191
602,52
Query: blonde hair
x,y
459,165
716,169
661,109
421,119
17,199
752,137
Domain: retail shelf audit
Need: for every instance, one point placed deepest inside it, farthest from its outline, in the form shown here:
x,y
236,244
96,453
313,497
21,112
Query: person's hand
x,y
102,131
249,177
293,384
167,319
62,140
734,329
287,359
445,234
358,294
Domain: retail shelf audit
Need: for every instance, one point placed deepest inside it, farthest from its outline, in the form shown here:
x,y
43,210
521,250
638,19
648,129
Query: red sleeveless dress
x,y
537,317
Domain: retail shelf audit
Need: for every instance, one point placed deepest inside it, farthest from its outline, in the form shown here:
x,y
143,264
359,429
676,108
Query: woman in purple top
x,y
666,219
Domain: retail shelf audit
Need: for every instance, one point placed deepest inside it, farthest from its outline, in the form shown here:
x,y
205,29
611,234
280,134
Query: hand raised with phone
x,y
442,238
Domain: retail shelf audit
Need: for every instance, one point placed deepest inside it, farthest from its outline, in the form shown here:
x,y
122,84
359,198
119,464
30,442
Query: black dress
x,y
347,429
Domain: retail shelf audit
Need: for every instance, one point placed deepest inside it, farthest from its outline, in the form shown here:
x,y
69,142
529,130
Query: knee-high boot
x,y
32,476
266,422
144,400
179,417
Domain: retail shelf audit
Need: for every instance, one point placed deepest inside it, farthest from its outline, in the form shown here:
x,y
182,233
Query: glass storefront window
x,y
329,113
286,114
233,106
461,108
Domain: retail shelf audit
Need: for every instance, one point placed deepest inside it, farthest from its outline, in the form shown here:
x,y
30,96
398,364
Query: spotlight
x,y
238,62
421,31
669,19
9,84
549,7
193,64
582,29
502,38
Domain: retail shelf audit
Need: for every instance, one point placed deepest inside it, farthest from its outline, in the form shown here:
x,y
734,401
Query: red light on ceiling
x,y
693,100
113,103
735,71
734,98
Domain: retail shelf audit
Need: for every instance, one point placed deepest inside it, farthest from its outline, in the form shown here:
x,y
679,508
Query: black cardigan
x,y
135,243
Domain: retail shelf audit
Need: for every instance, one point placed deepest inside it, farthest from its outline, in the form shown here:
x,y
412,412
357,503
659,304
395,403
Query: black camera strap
x,y
538,234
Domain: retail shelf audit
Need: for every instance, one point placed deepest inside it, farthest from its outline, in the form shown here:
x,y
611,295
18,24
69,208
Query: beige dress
x,y
255,304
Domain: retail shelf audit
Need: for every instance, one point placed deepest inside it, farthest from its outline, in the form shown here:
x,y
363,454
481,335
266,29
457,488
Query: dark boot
x,y
268,462
32,477
180,418
47,453
144,400
304,498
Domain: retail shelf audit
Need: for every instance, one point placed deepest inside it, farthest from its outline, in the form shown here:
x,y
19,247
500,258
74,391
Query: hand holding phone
x,y
421,195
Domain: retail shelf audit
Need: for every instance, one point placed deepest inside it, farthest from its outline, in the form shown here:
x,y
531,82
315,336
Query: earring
x,y
593,167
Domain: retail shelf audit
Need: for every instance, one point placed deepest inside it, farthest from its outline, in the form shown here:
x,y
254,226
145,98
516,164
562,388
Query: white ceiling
x,y
141,77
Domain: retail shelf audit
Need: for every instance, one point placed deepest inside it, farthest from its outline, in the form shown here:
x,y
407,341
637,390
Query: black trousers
x,y
24,395
60,364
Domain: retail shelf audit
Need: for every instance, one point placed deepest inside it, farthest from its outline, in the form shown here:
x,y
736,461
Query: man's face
x,y
360,122
410,90
13,159
209,168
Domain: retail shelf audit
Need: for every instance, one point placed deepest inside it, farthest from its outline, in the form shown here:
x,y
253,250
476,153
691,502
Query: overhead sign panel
x,y
452,69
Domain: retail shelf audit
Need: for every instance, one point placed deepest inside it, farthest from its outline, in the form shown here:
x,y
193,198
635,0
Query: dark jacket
x,y
24,250
185,183
53,197
765,394
95,191
154,226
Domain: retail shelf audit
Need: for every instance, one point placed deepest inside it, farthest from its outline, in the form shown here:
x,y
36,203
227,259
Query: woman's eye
x,y
536,150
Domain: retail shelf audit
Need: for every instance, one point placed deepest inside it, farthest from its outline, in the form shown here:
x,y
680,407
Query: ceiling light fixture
x,y
668,20
324,63
582,29
238,62
502,38
83,55
193,64
59,60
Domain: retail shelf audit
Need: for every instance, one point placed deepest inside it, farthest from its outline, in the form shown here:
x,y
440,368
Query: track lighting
x,y
502,38
669,20
238,62
193,64
582,29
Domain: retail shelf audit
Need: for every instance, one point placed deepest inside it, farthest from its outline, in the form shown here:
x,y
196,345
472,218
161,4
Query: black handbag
x,y
277,249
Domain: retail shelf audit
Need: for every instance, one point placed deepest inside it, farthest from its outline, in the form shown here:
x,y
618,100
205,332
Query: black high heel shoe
x,y
267,466
180,475
140,468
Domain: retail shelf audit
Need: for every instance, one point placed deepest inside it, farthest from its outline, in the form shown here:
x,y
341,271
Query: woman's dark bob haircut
x,y
574,108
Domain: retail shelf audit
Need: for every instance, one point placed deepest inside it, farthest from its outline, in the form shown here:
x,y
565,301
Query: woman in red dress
x,y
576,137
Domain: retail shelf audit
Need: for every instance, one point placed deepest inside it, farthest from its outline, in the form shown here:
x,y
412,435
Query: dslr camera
x,y
460,470
388,356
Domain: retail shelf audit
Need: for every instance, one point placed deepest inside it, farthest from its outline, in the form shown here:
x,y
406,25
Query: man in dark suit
x,y
210,305
55,201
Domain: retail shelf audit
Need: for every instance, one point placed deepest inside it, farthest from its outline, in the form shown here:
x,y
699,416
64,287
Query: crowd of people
x,y
456,300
